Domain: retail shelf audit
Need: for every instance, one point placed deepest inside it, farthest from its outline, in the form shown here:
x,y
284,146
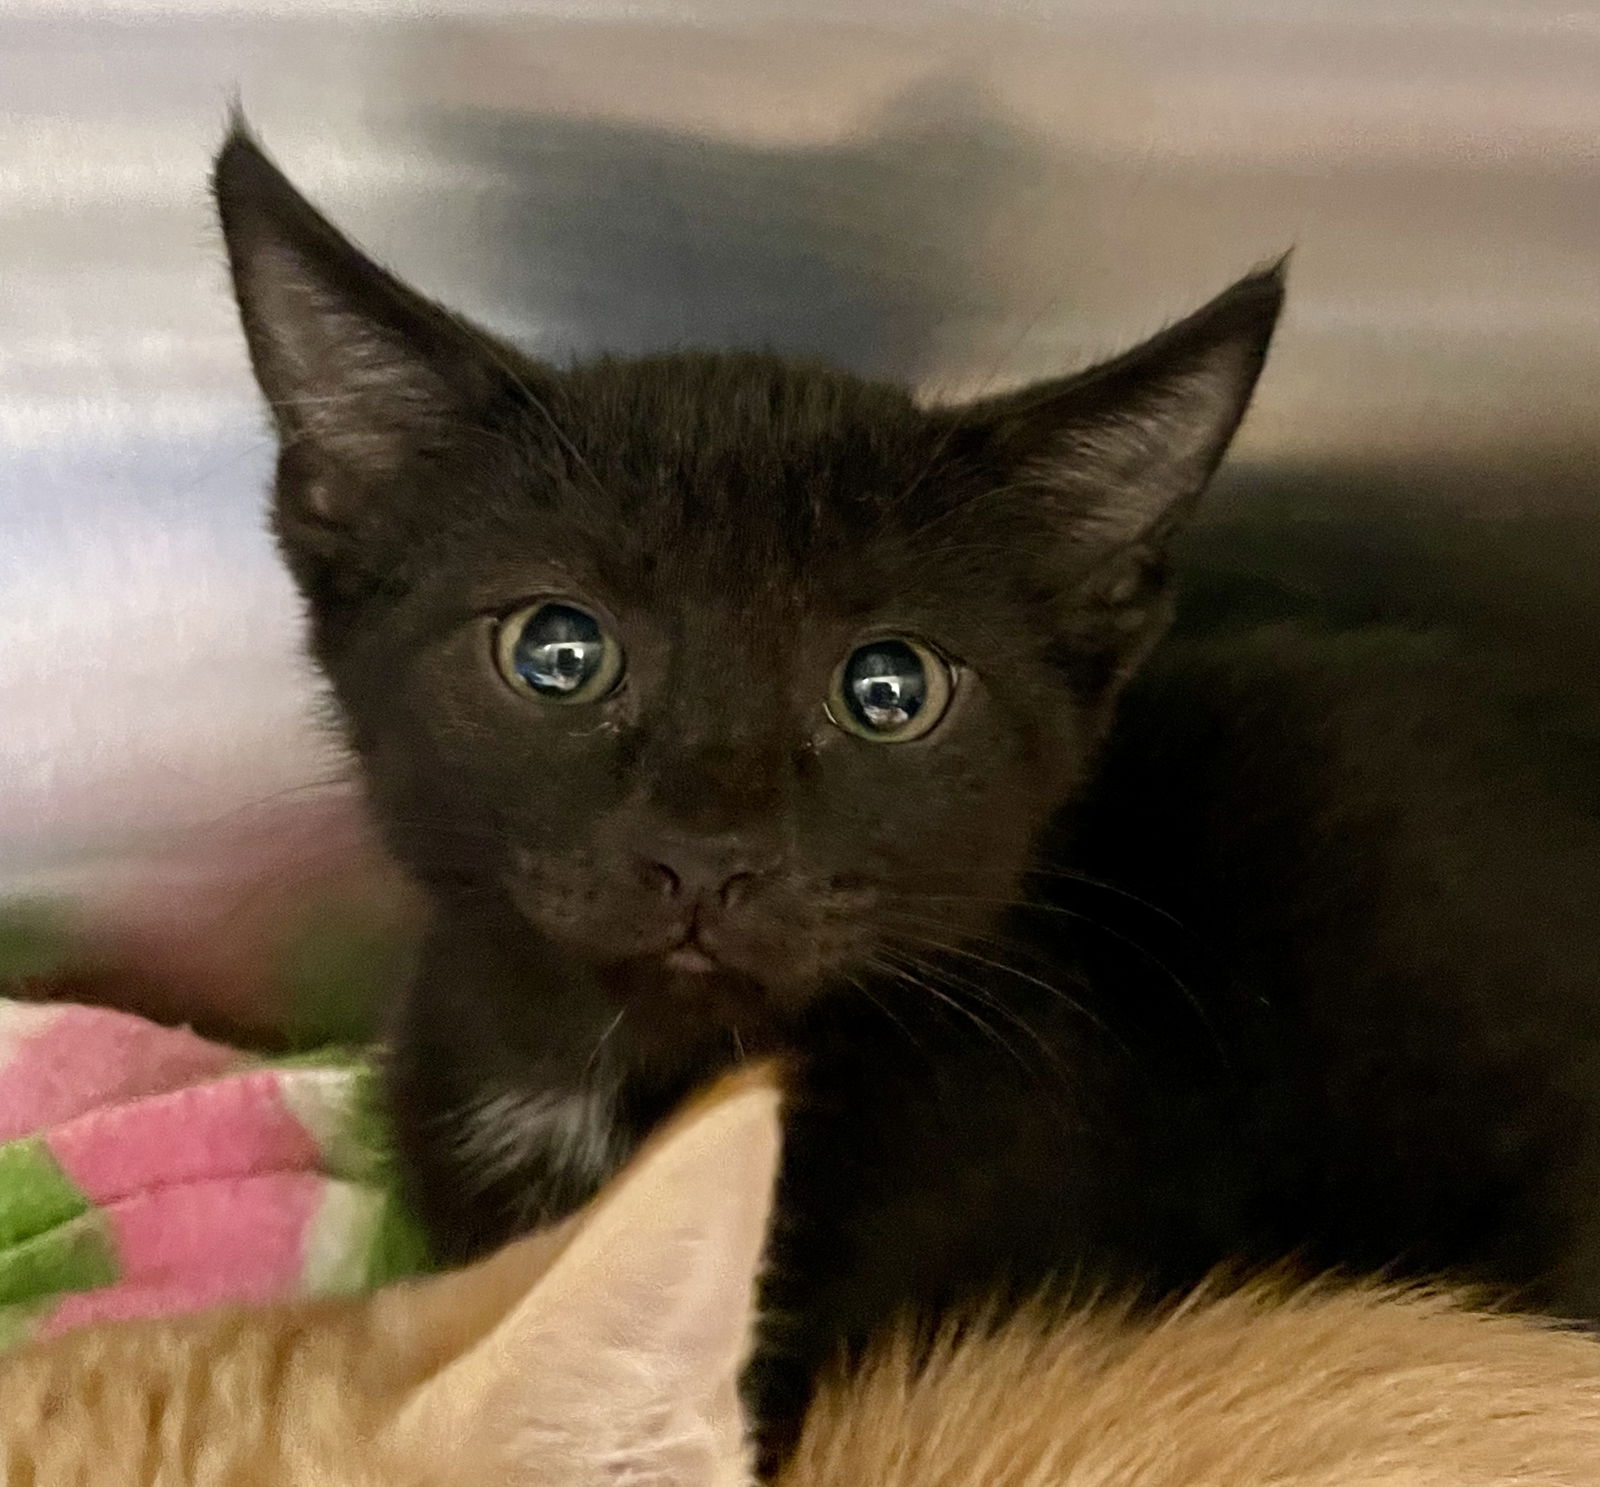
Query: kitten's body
x,y
606,1352
1308,960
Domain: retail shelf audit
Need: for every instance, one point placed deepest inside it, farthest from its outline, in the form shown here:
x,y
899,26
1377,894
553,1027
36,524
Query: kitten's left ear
x,y
621,1363
1117,454
1099,470
361,372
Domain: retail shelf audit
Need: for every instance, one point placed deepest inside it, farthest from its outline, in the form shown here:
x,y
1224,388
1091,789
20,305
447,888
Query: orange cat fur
x,y
605,1354
1334,1388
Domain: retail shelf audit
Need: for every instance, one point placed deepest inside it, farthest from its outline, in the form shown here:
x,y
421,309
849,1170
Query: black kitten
x,y
723,704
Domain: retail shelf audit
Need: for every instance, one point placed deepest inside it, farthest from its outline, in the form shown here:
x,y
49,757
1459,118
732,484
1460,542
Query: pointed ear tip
x,y
240,161
760,1080
747,1088
756,1092
750,1101
740,1116
1263,288
737,1118
1249,309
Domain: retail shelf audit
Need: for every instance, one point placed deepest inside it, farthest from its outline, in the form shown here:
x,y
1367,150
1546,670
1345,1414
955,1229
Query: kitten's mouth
x,y
695,971
691,959
691,955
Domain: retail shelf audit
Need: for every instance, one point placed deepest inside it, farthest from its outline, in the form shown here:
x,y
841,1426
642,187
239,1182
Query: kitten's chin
x,y
688,985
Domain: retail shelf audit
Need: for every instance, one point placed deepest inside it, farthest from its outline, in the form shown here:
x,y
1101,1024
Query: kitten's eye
x,y
558,652
890,691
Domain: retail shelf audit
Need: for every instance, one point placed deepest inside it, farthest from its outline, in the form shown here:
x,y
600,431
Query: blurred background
x,y
962,195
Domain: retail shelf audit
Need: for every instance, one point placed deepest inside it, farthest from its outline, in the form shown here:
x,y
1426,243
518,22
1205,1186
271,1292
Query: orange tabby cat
x,y
605,1354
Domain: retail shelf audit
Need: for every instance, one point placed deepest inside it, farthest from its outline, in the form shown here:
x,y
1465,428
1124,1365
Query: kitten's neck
x,y
548,1084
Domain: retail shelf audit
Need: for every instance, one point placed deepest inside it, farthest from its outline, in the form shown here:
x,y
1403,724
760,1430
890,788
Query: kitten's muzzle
x,y
697,917
700,884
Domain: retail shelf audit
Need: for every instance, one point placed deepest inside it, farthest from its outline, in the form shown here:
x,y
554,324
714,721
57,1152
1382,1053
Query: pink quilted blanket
x,y
146,1170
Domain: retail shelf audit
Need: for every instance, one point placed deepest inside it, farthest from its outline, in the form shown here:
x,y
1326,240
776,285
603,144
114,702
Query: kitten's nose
x,y
704,871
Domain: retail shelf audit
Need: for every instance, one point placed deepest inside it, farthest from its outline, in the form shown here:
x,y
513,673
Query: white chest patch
x,y
571,1131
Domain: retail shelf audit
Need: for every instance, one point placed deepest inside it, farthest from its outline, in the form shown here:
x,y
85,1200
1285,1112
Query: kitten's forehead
x,y
737,491
742,452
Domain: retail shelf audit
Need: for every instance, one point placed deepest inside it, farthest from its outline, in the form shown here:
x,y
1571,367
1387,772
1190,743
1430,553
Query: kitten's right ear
x,y
621,1363
361,372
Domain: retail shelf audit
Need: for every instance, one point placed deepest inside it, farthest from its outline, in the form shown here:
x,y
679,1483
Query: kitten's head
x,y
736,678
606,1351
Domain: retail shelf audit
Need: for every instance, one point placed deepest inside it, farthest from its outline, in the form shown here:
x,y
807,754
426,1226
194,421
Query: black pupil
x,y
885,685
560,650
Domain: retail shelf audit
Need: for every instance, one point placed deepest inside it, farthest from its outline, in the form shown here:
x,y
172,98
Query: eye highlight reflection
x,y
558,652
891,690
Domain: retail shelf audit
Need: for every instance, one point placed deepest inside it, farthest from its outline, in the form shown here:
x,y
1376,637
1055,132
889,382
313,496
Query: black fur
x,y
1249,942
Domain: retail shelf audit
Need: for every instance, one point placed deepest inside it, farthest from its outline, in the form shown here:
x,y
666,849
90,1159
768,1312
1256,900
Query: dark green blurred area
x,y
334,966
36,939
337,970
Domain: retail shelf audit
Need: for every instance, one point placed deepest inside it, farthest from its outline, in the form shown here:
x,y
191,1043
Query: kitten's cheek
x,y
553,905
581,917
558,915
797,967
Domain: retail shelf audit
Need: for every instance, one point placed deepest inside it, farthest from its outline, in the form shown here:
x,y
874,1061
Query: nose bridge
x,y
719,759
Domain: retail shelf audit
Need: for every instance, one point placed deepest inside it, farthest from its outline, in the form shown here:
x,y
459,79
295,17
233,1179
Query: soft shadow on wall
x,y
872,252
